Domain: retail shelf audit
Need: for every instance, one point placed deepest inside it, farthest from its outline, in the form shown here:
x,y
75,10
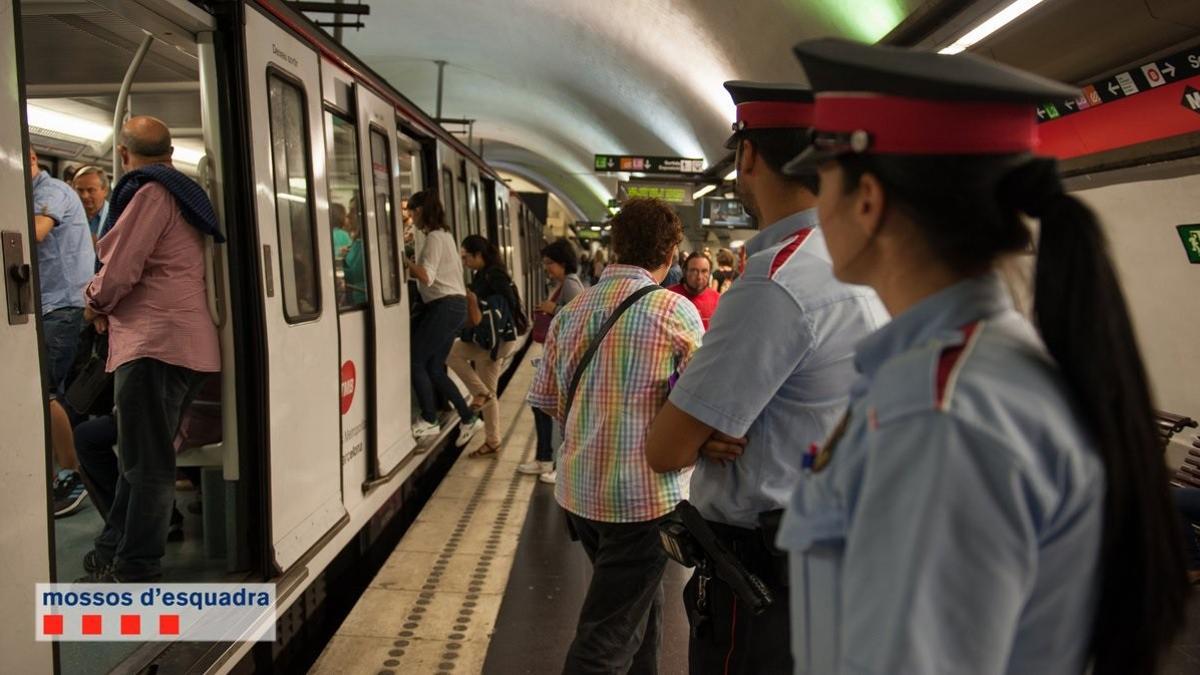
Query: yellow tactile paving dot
x,y
432,607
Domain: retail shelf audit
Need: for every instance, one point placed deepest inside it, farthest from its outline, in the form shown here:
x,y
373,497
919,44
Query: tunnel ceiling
x,y
552,82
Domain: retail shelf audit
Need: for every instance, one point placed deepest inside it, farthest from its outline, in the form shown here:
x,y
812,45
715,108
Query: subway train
x,y
287,131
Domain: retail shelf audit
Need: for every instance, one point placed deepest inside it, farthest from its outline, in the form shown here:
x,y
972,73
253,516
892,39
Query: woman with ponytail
x,y
995,500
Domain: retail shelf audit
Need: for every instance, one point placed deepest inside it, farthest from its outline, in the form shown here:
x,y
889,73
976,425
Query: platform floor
x,y
487,581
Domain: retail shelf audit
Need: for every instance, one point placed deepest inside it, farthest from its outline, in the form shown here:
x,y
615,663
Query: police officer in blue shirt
x,y
994,500
775,368
66,263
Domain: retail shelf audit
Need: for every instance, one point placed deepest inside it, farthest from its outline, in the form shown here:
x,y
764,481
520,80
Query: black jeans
x,y
435,334
151,396
544,424
98,465
620,625
726,636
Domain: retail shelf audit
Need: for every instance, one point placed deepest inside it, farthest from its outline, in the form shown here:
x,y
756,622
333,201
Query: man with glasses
x,y
695,286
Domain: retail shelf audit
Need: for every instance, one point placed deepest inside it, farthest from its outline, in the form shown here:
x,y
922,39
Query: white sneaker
x,y
423,429
467,431
535,467
550,477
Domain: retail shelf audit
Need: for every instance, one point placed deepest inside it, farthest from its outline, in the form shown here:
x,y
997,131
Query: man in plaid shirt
x,y
613,499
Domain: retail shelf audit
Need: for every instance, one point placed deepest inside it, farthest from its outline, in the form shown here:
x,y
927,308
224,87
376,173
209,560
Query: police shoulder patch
x,y
789,249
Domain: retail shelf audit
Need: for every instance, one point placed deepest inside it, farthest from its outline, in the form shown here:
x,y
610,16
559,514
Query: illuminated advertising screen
x,y
723,212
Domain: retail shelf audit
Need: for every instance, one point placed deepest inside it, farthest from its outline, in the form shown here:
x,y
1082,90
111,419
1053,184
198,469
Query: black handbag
x,y
91,392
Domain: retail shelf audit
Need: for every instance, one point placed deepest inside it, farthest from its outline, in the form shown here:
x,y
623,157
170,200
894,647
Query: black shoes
x,y
69,493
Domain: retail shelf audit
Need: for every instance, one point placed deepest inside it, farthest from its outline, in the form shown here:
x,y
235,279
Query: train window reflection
x,y
345,214
293,200
385,221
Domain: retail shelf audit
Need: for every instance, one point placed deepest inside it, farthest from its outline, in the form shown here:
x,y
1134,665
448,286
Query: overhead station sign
x,y
677,194
1155,101
1148,77
648,164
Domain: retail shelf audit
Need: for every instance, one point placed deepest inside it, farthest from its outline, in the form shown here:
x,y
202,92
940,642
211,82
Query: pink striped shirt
x,y
152,287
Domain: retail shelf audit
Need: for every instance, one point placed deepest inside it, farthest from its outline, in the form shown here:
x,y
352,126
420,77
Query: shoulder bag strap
x,y
591,350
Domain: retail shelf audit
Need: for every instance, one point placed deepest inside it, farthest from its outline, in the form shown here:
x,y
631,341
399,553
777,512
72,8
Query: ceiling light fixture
x,y
731,175
703,191
996,22
67,125
187,154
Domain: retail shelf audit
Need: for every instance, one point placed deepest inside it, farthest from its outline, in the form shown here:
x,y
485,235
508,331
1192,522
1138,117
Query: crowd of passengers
x,y
876,463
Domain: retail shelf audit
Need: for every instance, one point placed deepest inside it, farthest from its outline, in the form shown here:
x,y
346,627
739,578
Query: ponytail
x,y
1084,322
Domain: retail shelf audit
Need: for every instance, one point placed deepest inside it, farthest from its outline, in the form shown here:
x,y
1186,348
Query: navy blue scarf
x,y
193,201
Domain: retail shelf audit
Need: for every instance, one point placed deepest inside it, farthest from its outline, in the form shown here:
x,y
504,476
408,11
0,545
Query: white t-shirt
x,y
440,259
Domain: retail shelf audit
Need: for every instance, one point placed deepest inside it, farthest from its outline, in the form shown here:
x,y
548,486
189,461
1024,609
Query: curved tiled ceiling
x,y
552,82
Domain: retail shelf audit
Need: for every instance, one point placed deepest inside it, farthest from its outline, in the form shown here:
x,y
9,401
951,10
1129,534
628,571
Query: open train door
x,y
25,557
389,387
300,314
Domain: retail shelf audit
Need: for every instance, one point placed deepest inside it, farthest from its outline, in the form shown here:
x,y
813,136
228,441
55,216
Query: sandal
x,y
485,450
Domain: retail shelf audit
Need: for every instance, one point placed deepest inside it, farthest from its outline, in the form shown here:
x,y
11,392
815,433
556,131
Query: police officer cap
x,y
769,105
889,100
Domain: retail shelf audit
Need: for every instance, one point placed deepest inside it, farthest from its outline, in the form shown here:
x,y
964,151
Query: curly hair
x,y
644,232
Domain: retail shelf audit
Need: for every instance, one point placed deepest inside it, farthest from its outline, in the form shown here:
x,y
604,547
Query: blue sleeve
x,y
941,551
755,340
52,202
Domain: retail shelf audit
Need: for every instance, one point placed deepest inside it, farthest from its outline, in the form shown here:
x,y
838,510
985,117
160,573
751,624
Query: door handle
x,y
18,278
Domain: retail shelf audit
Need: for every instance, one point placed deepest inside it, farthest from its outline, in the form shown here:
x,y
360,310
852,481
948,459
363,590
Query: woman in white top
x,y
439,273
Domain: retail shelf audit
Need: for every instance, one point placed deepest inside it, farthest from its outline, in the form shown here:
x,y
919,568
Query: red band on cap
x,y
774,114
908,126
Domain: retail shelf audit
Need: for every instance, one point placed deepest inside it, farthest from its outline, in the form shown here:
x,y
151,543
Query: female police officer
x,y
995,499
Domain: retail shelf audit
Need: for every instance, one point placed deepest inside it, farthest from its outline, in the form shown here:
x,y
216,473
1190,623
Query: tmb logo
x,y
1191,99
348,385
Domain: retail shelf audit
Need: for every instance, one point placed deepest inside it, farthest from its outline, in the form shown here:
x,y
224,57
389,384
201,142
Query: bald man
x,y
149,296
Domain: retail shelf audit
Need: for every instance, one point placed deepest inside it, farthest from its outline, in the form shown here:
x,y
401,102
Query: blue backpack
x,y
495,328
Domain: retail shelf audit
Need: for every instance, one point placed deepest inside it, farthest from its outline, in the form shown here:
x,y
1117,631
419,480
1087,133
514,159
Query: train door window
x,y
346,214
409,157
448,195
293,200
476,228
385,221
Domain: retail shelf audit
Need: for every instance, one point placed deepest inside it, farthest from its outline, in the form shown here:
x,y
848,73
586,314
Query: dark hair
x,y
337,215
777,147
644,232
479,245
1084,322
561,252
698,254
433,216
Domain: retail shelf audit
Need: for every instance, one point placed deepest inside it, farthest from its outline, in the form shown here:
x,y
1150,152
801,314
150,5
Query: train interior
x,y
76,58
75,61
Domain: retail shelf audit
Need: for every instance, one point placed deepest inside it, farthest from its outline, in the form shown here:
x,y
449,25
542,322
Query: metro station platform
x,y
486,579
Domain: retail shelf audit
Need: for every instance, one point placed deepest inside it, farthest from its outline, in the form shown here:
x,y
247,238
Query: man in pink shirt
x,y
695,286
149,296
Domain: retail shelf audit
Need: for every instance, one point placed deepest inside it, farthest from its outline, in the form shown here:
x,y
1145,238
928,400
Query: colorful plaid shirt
x,y
602,469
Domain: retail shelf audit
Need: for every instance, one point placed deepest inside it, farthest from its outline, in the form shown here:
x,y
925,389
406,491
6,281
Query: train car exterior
x,y
299,139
